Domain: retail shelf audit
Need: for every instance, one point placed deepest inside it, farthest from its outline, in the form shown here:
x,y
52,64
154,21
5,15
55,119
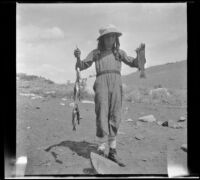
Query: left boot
x,y
113,156
101,150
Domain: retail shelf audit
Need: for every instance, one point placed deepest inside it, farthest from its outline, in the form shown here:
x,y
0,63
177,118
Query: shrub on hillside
x,y
157,86
28,77
49,81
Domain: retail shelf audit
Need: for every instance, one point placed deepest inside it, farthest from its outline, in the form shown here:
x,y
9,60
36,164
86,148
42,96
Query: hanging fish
x,y
75,116
76,98
141,60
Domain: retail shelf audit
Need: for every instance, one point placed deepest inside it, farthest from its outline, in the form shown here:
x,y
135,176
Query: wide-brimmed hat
x,y
108,29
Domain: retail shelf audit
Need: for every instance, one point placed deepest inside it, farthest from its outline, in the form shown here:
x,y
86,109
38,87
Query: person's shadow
x,y
81,148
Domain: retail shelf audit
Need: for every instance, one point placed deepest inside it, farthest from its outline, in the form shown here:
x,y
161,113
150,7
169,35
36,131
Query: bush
x,y
29,78
49,81
157,86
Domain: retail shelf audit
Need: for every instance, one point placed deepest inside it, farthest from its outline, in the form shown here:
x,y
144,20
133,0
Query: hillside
x,y
37,85
164,84
170,75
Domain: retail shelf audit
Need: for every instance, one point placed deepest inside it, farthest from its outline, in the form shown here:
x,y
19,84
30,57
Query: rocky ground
x,y
45,136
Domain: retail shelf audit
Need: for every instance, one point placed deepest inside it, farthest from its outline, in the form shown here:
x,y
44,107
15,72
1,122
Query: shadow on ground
x,y
81,148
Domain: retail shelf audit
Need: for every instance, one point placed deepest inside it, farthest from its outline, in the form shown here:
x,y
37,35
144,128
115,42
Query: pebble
x,y
129,120
177,126
139,137
148,118
184,147
159,123
144,159
171,138
165,124
182,119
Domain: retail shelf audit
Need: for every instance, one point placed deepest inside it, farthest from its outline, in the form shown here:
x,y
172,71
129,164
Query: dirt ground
x,y
45,136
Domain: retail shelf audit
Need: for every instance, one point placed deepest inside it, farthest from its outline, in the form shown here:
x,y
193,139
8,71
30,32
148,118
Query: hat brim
x,y
118,34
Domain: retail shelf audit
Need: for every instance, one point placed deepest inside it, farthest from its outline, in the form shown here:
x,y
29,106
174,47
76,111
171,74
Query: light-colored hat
x,y
108,29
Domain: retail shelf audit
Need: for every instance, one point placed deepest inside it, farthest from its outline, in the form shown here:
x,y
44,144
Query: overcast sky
x,y
47,34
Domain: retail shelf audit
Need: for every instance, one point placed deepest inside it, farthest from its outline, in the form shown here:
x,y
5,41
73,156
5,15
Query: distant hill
x,y
165,83
32,84
169,75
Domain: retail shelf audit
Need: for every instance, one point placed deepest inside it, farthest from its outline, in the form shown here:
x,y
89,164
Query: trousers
x,y
108,104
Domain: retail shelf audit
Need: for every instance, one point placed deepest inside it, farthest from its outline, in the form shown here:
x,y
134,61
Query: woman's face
x,y
109,40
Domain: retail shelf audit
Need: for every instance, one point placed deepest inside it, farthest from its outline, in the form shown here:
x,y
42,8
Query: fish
x,y
141,60
75,117
76,98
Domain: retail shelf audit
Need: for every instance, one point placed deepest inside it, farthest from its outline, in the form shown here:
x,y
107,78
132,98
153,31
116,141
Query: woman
x,y
107,86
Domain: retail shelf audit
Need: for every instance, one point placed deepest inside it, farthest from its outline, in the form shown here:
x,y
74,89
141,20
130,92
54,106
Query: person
x,y
107,86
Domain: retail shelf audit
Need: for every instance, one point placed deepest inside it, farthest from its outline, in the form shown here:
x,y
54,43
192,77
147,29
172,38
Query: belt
x,y
108,71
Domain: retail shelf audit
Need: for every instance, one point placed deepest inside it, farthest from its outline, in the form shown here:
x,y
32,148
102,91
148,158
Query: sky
x,y
47,34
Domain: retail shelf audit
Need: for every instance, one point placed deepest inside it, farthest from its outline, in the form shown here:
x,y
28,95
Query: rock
x,y
172,124
139,137
182,119
86,101
36,97
37,107
64,99
47,119
159,123
144,159
129,120
184,147
62,104
171,138
28,127
165,124
149,118
178,126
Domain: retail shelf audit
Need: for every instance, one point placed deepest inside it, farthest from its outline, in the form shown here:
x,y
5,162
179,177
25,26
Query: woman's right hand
x,y
77,53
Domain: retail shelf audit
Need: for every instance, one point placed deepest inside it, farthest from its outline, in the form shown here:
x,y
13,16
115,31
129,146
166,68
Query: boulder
x,y
148,118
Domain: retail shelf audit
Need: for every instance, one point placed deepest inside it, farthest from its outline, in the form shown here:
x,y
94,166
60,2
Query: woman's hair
x,y
115,48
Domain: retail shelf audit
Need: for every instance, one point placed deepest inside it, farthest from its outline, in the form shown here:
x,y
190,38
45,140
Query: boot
x,y
101,150
113,156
